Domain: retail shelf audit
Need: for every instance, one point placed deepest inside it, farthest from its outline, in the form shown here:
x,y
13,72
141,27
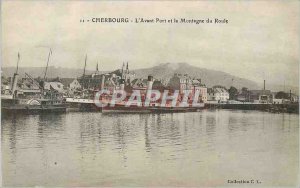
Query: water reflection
x,y
147,134
186,149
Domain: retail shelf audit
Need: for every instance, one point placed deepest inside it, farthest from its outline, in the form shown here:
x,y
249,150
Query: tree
x,y
281,95
232,93
246,93
244,90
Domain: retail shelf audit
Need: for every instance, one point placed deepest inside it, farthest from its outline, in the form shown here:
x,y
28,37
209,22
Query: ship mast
x,y
84,66
18,63
15,78
83,76
50,53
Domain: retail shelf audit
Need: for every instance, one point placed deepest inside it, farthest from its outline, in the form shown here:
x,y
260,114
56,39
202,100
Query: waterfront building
x,y
159,85
243,95
57,86
90,81
180,82
277,101
70,83
218,94
109,81
183,82
260,96
75,84
198,86
139,83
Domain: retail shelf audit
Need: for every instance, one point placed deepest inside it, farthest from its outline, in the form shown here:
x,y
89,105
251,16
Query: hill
x,y
208,77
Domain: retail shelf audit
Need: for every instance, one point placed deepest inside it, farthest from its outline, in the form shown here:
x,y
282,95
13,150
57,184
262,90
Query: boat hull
x,y
81,105
126,110
27,109
142,109
20,106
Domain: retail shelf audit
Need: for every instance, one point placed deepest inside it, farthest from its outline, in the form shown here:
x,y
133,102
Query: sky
x,y
260,41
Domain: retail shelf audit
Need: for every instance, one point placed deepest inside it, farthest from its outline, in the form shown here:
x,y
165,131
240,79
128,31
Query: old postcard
x,y
150,93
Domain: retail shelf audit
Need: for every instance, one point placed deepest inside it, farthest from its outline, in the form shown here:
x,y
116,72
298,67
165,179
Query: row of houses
x,y
125,79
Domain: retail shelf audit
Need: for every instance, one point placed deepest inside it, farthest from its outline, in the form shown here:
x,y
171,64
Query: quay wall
x,y
276,108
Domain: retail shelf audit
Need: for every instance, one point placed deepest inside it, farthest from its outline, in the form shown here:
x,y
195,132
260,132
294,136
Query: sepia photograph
x,y
150,93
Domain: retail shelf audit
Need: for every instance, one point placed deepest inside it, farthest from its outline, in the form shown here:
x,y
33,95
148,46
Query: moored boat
x,y
38,100
16,105
122,108
81,104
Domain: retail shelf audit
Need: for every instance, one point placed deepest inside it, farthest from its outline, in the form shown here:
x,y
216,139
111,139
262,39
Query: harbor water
x,y
207,148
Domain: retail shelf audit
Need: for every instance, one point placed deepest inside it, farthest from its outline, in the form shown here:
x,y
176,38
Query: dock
x,y
275,108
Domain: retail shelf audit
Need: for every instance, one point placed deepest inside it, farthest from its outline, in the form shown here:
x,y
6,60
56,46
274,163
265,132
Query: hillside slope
x,y
162,71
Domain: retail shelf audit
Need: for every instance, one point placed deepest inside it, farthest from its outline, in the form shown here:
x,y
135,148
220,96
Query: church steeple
x,y
127,70
97,68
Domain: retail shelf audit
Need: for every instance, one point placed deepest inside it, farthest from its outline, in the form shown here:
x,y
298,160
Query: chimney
x,y
149,87
14,84
150,82
264,84
102,81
